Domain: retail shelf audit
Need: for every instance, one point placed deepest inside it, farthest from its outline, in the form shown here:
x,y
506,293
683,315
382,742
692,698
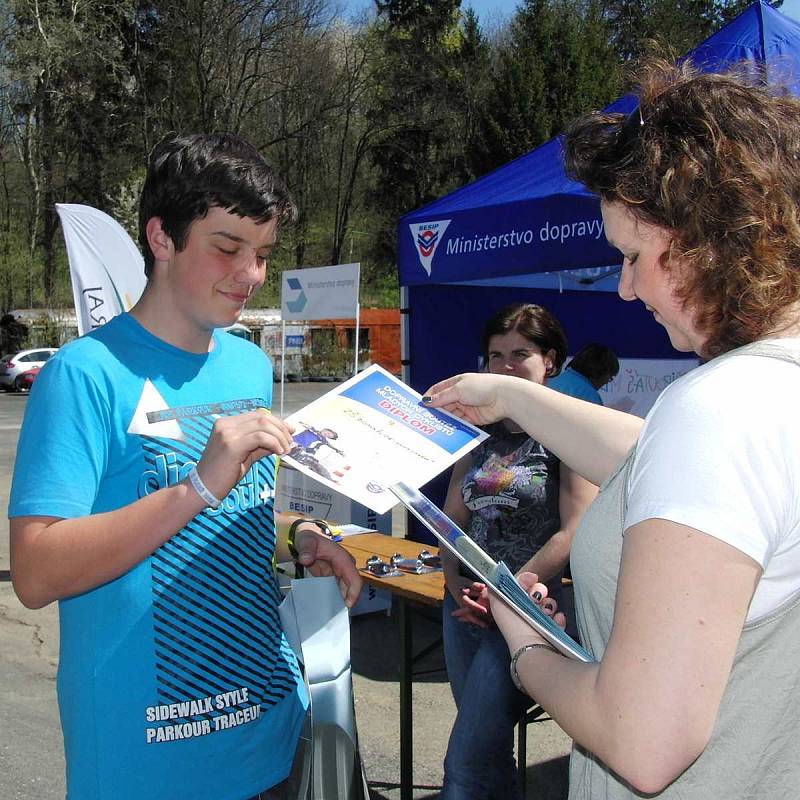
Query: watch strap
x,y
323,526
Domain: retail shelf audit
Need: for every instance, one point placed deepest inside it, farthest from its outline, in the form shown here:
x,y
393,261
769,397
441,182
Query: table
x,y
427,589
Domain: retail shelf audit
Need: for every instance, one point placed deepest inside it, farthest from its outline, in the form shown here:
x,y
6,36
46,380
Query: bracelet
x,y
513,666
212,501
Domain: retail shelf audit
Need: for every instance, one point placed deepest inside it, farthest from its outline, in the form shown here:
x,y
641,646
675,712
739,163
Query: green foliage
x,y
327,358
13,334
365,121
557,62
678,25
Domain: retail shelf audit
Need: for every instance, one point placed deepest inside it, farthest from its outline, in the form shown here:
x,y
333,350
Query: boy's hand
x,y
236,443
323,557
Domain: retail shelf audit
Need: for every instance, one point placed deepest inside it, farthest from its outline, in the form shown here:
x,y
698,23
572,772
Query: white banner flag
x,y
320,292
106,267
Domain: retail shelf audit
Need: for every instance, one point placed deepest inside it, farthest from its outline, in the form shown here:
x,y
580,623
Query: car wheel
x,y
20,385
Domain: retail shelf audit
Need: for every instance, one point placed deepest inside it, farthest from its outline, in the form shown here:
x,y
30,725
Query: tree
x,y
355,133
416,105
477,88
13,334
555,64
68,104
677,24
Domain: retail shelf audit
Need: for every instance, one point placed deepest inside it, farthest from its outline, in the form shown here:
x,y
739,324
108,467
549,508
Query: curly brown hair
x,y
715,160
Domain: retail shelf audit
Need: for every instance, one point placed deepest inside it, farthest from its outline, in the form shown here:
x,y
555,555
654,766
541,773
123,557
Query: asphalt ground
x,y
31,755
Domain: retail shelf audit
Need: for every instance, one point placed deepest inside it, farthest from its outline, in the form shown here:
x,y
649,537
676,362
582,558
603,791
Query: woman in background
x,y
514,499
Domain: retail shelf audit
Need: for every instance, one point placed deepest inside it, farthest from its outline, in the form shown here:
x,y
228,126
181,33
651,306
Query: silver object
x,y
424,562
375,565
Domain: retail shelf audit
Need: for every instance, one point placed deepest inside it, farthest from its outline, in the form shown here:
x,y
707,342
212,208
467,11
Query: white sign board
x,y
106,267
641,380
320,292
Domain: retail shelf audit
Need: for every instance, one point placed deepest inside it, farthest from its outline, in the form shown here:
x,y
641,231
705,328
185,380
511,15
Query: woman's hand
x,y
516,631
473,603
472,396
456,583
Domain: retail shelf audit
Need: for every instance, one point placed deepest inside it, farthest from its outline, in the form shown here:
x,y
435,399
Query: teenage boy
x,y
142,501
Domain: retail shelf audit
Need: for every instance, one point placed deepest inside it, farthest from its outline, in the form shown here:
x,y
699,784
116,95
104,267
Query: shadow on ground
x,y
375,645
545,781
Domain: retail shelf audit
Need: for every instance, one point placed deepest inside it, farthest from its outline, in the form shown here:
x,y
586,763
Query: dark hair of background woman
x,y
533,322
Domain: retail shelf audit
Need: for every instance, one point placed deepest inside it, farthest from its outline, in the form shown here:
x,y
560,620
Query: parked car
x,y
13,365
25,380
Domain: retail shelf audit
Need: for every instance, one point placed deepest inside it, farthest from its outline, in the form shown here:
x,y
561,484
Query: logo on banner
x,y
299,303
427,237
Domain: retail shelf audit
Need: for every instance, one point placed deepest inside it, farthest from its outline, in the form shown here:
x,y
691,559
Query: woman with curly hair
x,y
687,566
512,497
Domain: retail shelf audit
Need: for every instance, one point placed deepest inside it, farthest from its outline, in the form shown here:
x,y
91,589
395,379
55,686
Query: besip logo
x,y
427,237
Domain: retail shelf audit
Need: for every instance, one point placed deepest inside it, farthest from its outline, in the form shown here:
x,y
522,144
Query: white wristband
x,y
197,483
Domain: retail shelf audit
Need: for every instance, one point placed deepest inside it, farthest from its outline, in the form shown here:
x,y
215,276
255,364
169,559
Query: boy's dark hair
x,y
187,175
597,362
533,322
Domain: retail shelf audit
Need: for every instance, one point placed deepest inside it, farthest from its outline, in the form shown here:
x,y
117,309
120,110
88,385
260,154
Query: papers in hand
x,y
494,574
372,431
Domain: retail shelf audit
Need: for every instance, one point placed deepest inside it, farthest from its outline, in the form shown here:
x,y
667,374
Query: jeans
x,y
480,764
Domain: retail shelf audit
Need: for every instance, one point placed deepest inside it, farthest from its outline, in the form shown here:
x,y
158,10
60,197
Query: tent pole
x,y
405,363
283,360
358,322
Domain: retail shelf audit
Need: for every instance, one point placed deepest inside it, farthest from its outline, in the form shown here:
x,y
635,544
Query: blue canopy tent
x,y
527,232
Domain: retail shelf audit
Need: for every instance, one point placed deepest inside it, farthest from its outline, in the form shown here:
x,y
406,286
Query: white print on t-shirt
x,y
248,493
491,500
151,400
204,705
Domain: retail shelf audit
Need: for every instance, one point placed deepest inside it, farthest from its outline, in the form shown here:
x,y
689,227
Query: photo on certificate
x,y
373,431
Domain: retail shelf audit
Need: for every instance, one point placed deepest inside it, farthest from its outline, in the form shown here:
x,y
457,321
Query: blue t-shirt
x,y
573,383
175,680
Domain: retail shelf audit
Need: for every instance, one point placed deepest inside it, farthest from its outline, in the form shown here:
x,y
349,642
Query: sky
x,y
791,8
496,10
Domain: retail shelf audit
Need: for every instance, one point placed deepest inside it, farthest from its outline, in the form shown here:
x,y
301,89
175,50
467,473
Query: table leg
x,y
406,736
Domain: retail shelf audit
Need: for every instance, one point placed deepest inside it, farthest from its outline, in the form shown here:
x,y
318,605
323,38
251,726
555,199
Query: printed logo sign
x,y
299,302
320,292
427,237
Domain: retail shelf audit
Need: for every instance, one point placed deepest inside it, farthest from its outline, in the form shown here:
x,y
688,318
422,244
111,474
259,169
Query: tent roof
x,y
527,218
